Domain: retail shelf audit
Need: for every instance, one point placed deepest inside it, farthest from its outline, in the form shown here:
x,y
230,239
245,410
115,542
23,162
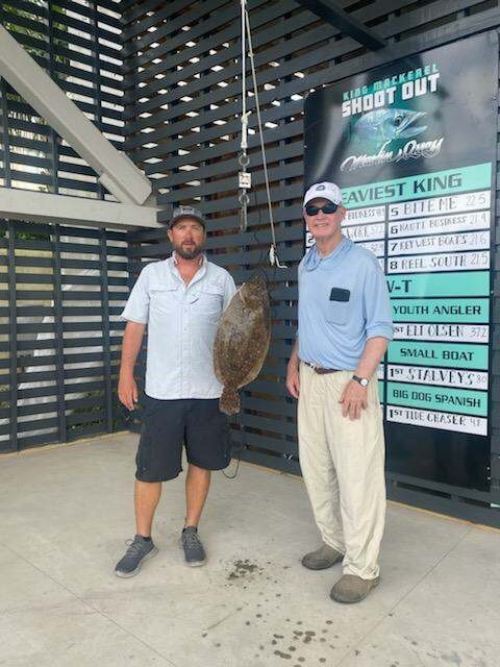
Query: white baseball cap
x,y
325,190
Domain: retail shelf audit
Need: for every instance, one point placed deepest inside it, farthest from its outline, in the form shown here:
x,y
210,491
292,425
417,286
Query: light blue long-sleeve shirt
x,y
343,301
182,322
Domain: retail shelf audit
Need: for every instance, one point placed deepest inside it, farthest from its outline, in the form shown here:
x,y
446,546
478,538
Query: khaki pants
x,y
342,463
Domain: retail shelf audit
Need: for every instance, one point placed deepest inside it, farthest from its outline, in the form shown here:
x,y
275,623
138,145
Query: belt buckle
x,y
319,369
323,371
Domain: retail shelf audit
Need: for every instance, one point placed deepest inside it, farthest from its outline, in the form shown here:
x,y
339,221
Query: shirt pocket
x,y
163,299
210,301
339,305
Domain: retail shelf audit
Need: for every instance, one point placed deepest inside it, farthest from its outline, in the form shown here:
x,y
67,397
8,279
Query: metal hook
x,y
243,159
244,200
274,259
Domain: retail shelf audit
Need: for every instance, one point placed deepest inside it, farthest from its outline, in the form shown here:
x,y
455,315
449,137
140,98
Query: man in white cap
x,y
345,324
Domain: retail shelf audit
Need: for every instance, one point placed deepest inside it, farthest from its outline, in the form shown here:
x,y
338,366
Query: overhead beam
x,y
347,24
63,209
116,170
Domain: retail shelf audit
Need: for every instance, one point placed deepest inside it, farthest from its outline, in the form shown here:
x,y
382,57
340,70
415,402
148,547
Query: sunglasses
x,y
327,208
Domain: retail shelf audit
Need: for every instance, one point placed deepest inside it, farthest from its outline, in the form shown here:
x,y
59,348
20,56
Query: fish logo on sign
x,y
389,135
383,125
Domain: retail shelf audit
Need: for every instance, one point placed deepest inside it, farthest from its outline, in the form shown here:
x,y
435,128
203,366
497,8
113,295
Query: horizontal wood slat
x,y
61,338
79,45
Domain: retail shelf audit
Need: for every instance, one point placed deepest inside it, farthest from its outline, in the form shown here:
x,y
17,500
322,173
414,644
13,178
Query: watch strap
x,y
362,381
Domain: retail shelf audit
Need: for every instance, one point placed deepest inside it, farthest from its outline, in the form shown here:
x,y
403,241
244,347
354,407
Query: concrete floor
x,y
66,511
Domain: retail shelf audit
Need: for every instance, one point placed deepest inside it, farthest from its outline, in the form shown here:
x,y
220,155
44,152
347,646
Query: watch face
x,y
363,382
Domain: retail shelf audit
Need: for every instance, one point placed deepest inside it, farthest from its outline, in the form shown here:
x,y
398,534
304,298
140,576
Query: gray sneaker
x,y
194,553
322,558
138,551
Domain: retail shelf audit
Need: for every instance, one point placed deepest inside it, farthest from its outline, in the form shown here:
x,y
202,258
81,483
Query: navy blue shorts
x,y
168,425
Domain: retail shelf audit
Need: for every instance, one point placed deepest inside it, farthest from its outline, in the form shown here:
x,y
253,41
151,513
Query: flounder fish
x,y
242,341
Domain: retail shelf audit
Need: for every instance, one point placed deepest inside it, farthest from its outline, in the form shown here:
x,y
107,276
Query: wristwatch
x,y
362,381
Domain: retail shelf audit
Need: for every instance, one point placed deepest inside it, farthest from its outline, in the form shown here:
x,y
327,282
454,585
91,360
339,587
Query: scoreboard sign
x,y
412,145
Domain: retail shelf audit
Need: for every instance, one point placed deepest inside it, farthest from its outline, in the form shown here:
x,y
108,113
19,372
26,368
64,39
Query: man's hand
x,y
132,341
354,399
293,380
127,391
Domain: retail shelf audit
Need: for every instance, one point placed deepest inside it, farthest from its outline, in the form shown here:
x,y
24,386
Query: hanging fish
x,y
242,341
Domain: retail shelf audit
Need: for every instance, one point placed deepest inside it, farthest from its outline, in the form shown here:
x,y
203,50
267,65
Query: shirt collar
x,y
313,259
200,273
201,259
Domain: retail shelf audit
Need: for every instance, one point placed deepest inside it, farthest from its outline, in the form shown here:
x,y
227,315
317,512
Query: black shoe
x,y
139,550
194,553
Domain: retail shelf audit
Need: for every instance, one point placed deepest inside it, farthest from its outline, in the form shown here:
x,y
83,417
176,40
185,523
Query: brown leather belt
x,y
321,371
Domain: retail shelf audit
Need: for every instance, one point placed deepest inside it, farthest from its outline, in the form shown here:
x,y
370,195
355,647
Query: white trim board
x,y
67,210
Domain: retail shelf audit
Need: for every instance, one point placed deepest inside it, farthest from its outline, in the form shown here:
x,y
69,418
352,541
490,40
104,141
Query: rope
x,y
243,177
243,159
244,117
237,450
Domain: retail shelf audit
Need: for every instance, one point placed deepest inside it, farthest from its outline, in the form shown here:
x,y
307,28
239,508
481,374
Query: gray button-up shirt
x,y
182,322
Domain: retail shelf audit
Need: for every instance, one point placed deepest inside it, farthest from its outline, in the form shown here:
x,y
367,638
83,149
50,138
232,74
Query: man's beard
x,y
189,254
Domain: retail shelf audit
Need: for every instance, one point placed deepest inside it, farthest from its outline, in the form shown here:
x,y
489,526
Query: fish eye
x,y
398,120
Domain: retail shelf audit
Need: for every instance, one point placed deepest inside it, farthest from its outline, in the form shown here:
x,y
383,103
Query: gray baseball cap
x,y
186,212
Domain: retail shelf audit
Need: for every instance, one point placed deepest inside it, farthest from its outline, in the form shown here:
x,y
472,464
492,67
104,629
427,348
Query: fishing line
x,y
240,447
244,185
244,177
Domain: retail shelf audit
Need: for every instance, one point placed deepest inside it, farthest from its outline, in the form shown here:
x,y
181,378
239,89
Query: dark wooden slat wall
x,y
79,46
61,293
61,288
182,101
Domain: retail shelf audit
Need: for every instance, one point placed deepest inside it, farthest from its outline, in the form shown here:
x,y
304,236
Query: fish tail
x,y
229,402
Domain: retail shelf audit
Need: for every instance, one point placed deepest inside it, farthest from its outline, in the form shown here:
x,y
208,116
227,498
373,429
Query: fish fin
x,y
229,402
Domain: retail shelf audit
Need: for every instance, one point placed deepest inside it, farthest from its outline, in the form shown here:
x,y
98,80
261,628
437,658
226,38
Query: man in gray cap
x,y
345,323
180,300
